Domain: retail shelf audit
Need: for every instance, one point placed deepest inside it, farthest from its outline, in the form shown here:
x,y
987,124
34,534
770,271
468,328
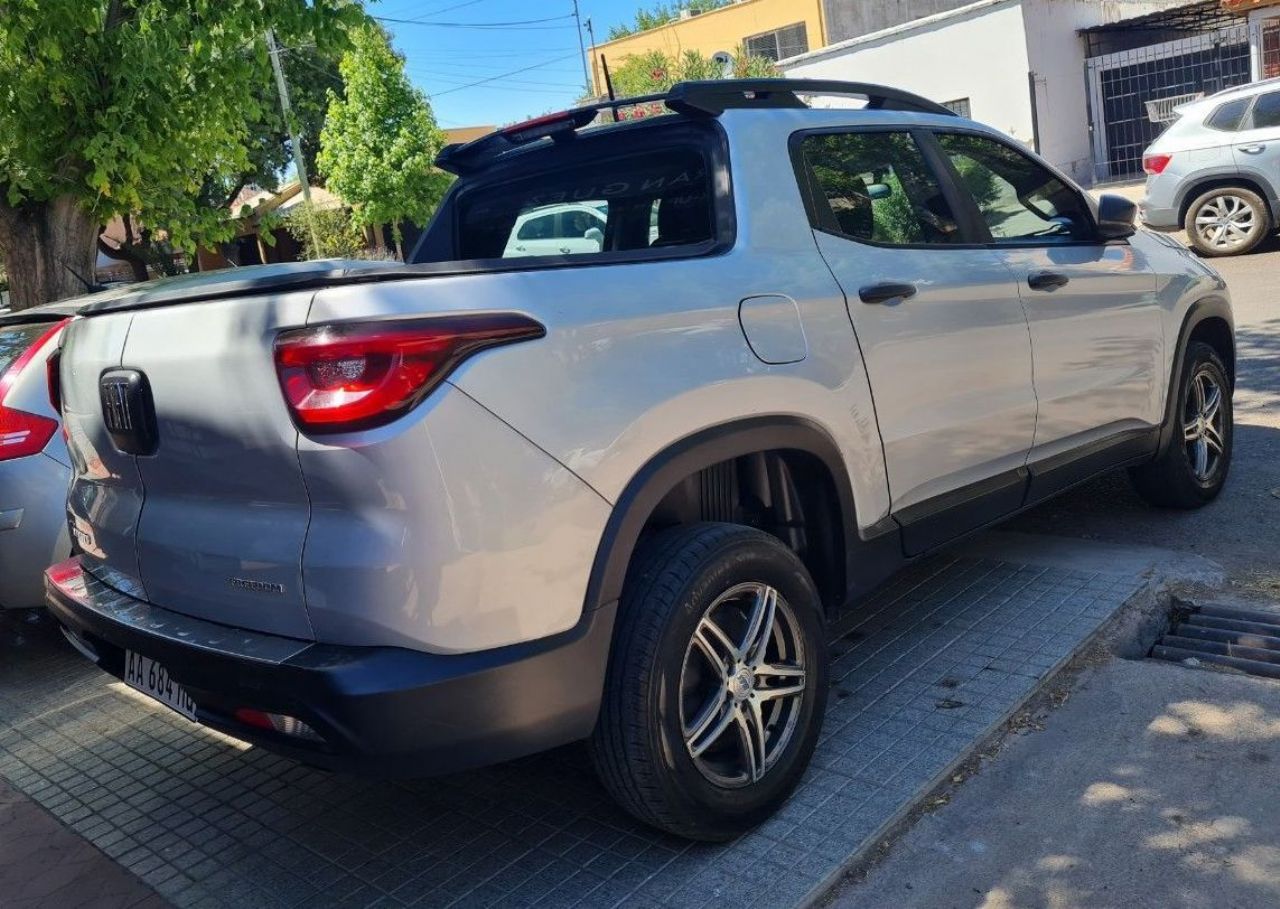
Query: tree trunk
x,y
48,250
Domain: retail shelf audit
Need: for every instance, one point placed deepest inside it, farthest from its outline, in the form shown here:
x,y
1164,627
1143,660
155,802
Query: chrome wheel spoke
x,y
751,735
1191,431
1212,403
1212,439
783,691
1200,454
760,627
710,724
779,671
715,645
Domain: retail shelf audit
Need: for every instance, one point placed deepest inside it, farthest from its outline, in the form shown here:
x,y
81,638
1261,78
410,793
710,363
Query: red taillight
x,y
23,434
1155,164
54,379
339,378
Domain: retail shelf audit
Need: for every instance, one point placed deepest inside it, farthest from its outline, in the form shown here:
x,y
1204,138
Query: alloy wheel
x,y
1203,425
1225,222
742,685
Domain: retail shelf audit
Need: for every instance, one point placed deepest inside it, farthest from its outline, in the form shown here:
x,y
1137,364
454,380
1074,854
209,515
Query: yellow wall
x,y
719,30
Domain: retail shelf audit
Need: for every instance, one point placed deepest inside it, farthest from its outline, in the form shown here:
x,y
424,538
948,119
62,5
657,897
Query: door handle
x,y
1047,280
886,292
1256,148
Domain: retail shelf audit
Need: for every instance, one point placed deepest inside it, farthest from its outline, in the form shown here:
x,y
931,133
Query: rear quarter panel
x,y
639,356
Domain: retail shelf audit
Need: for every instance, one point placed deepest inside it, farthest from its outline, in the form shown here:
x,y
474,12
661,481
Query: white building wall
x,y
978,52
1056,54
984,52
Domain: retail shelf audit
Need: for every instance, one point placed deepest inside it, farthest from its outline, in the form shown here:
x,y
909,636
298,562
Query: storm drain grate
x,y
1246,640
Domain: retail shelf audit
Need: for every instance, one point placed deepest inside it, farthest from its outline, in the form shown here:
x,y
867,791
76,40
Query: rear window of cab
x,y
660,199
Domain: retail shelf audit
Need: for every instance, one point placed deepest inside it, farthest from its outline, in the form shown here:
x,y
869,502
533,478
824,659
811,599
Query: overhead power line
x,y
514,24
445,9
514,72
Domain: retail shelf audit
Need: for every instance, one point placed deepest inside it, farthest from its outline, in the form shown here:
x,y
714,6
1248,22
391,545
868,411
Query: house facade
x,y
765,28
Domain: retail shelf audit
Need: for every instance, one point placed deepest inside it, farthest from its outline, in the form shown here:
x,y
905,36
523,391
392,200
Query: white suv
x,y
1215,173
410,518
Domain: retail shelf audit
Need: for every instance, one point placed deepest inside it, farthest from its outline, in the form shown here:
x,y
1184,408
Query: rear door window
x,y
877,187
15,339
658,200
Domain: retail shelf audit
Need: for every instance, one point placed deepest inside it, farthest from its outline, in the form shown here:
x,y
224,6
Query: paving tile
x,y
937,657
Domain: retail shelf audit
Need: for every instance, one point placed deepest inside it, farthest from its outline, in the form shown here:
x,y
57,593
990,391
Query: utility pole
x,y
591,89
592,33
298,162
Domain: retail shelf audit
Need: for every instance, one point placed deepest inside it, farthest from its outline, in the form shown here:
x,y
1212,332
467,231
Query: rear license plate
x,y
146,675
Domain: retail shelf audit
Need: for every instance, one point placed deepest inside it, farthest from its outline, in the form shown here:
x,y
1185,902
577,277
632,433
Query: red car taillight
x,y
54,379
24,434
339,378
1155,164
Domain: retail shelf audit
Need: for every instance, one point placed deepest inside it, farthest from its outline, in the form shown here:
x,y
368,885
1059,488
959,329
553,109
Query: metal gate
x,y
1132,93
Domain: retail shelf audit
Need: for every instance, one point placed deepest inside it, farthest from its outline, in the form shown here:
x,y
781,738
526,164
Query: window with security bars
x,y
960,107
1270,48
779,44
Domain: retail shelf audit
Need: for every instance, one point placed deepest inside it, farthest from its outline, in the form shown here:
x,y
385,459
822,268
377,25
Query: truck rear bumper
x,y
379,710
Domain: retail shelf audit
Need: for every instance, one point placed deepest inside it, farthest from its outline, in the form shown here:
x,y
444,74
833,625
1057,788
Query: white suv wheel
x,y
1227,221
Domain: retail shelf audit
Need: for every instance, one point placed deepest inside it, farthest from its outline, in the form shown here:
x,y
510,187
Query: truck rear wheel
x,y
717,682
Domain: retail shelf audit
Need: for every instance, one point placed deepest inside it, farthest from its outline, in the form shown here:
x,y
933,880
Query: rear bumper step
x,y
380,710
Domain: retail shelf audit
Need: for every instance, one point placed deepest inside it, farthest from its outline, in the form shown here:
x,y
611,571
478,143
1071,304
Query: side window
x,y
879,188
575,223
1227,117
540,228
1266,111
1019,199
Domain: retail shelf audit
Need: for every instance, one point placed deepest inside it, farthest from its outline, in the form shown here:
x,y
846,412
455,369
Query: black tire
x,y
1225,198
1171,480
639,747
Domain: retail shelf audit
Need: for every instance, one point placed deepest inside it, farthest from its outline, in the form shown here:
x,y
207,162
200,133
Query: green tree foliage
x,y
128,106
339,237
380,139
656,71
663,13
310,71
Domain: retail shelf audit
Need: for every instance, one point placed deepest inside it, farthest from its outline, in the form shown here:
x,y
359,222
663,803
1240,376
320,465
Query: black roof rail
x,y
714,97
709,98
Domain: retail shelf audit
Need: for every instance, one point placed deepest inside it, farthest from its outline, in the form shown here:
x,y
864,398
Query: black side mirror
x,y
1117,217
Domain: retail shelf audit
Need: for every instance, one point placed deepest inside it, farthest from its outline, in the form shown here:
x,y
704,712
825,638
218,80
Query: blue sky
x,y
446,61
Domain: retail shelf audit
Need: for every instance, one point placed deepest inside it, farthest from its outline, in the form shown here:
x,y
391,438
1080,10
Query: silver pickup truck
x,y
411,518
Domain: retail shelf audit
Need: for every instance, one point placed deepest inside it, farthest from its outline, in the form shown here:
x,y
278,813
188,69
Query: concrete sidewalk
x,y
1155,785
45,864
